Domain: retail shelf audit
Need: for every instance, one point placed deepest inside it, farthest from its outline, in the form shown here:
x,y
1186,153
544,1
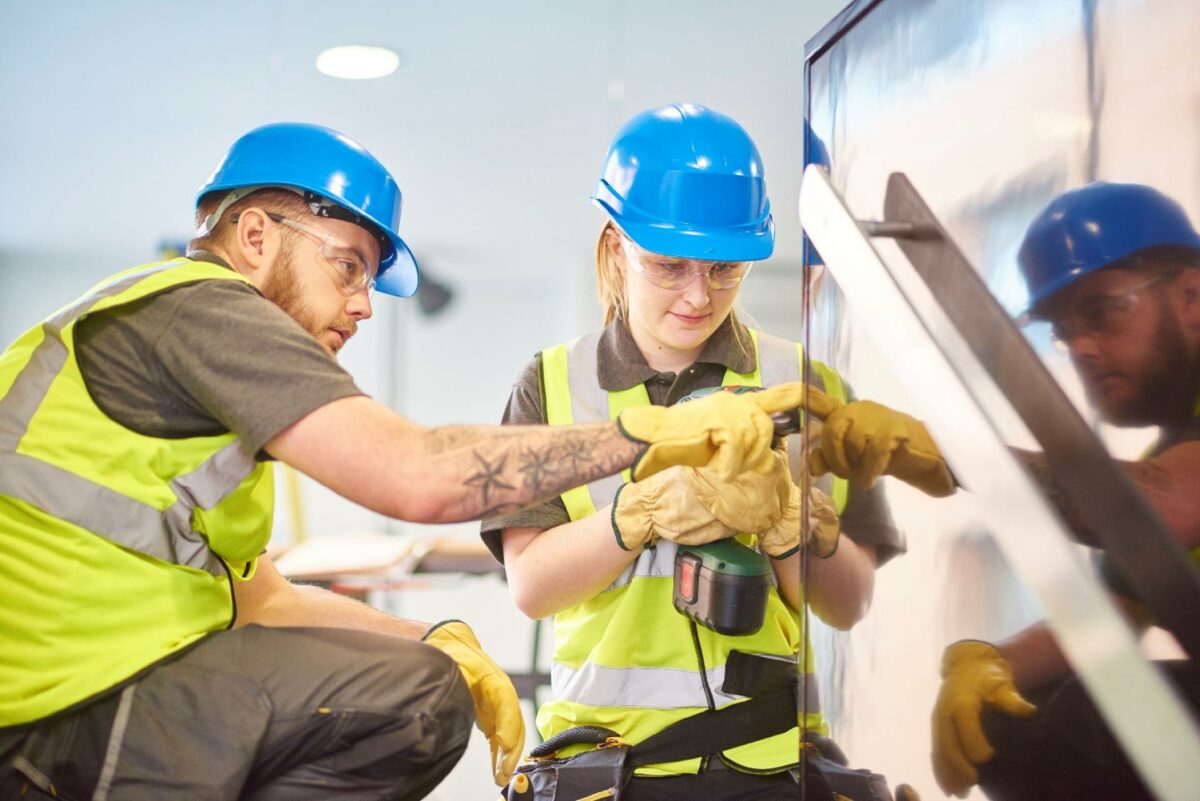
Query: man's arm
x,y
1170,482
373,456
376,458
269,599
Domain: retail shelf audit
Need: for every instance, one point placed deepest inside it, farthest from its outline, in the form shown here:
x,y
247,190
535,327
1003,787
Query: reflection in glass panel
x,y
992,109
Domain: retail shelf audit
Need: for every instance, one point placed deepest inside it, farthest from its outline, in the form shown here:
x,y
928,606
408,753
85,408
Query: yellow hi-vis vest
x,y
116,549
626,659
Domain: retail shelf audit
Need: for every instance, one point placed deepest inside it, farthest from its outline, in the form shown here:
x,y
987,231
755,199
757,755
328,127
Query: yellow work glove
x,y
692,506
497,708
724,431
786,536
974,675
864,440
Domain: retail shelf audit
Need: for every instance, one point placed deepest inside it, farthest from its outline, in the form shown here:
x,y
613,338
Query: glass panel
x,y
992,110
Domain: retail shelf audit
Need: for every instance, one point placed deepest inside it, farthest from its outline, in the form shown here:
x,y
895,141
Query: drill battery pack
x,y
723,586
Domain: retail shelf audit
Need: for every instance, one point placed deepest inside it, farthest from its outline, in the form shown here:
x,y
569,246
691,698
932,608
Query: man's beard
x,y
1168,383
282,287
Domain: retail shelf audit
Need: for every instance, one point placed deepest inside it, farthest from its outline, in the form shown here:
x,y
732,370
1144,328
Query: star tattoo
x,y
488,479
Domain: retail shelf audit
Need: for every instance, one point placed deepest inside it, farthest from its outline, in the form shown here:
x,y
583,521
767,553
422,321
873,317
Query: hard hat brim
x,y
742,243
401,278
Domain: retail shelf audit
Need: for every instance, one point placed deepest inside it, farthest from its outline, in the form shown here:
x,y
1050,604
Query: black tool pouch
x,y
597,774
602,773
828,777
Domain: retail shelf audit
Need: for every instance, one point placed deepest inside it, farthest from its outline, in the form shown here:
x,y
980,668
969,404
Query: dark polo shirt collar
x,y
621,365
208,256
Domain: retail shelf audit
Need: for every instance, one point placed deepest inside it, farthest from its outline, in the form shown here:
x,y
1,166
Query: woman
x,y
688,215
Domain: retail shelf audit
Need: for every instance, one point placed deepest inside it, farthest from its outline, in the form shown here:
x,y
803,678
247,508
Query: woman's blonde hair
x,y
610,279
610,285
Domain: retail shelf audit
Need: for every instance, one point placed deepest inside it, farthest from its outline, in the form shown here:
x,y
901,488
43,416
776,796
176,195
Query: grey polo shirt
x,y
205,358
621,365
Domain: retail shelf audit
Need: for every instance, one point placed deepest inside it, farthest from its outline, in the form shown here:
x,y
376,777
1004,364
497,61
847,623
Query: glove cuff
x,y
630,540
790,552
970,651
439,625
637,460
814,547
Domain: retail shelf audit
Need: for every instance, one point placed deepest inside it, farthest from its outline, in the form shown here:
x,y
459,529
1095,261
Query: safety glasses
x,y
347,266
1104,314
670,272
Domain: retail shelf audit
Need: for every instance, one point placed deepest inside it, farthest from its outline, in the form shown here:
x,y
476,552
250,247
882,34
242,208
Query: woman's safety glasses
x,y
670,272
348,267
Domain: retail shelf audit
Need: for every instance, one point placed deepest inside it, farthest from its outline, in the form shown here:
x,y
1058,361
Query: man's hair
x,y
280,201
1159,259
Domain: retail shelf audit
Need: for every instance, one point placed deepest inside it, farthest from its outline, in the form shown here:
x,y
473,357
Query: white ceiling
x,y
495,124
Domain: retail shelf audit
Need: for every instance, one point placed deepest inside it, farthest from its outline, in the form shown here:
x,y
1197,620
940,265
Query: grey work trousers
x,y
257,714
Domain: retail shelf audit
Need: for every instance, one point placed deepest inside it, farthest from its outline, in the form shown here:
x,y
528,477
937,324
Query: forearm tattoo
x,y
1040,469
506,469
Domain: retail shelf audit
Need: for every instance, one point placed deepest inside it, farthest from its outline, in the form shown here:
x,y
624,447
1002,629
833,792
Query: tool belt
x,y
603,772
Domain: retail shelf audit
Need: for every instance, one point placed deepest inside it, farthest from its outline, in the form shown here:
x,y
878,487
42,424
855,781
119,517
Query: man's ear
x,y
1189,297
251,238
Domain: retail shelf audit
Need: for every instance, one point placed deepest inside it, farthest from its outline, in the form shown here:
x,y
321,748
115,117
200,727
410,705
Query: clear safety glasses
x,y
348,267
1103,315
669,272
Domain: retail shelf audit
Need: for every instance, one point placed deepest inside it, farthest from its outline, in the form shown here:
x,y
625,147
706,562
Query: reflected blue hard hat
x,y
685,181
1088,228
346,181
814,153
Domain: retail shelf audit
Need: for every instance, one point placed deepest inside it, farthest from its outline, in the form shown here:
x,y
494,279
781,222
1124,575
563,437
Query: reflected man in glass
x,y
1115,270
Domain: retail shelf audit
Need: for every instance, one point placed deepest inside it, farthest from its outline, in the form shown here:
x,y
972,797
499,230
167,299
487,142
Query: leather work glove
x,y
724,431
974,674
693,505
786,536
497,708
864,440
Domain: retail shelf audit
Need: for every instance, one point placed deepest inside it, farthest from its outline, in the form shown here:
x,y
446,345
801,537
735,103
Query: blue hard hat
x,y
814,153
1086,229
334,167
685,181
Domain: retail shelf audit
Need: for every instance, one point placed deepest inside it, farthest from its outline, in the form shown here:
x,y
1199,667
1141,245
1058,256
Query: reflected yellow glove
x,y
724,431
786,535
864,440
974,675
497,708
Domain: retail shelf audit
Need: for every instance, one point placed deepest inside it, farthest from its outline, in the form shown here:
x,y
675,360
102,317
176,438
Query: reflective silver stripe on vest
x,y
649,687
589,404
33,382
656,561
167,536
778,360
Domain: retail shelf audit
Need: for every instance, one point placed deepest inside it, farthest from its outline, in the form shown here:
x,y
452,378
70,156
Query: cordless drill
x,y
723,585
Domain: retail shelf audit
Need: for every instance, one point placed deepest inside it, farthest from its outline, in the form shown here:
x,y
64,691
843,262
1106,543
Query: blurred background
x,y
495,124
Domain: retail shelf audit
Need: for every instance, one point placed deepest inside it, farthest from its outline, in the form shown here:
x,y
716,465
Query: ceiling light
x,y
357,62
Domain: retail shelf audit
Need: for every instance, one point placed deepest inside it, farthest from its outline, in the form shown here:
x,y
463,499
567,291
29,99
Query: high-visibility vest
x,y
117,549
626,659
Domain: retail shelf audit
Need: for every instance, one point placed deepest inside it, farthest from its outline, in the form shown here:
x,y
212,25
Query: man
x,y
1115,270
156,651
